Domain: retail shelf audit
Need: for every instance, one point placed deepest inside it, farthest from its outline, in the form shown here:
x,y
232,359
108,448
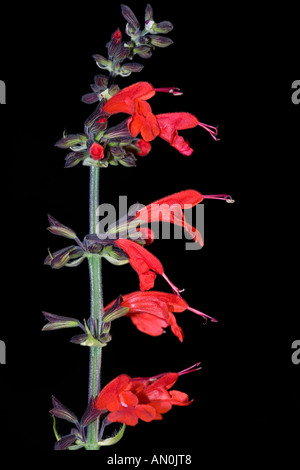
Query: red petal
x,y
149,324
161,406
146,412
167,381
123,101
175,327
153,213
108,398
126,416
128,398
179,398
176,121
143,262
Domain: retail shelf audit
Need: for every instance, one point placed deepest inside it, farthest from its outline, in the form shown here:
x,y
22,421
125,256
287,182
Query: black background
x,y
235,67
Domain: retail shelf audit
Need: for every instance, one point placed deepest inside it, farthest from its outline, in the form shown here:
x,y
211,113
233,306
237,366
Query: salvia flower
x,y
144,263
129,399
151,312
133,100
170,209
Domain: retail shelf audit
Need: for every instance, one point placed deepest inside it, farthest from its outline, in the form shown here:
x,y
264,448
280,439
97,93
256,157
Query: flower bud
x,y
163,27
160,41
57,322
65,442
96,151
61,411
127,69
70,140
59,229
130,17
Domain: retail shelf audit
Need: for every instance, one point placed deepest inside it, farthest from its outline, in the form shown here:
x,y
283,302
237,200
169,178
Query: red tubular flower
x,y
132,100
129,399
152,312
169,209
144,263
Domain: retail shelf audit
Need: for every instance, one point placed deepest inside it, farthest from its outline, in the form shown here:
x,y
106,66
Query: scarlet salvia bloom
x,y
144,263
169,209
147,398
151,312
132,100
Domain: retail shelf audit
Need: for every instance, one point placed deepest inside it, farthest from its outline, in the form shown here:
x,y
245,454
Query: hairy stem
x,y
96,306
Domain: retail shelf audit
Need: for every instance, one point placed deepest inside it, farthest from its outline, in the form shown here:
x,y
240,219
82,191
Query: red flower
x,y
144,263
132,100
96,151
152,311
129,399
169,209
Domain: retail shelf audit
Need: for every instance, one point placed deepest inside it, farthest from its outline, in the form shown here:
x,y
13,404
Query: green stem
x,y
96,307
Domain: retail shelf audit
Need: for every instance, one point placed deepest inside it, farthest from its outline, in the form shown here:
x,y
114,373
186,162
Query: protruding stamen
x,y
202,314
173,287
193,368
221,197
174,90
211,129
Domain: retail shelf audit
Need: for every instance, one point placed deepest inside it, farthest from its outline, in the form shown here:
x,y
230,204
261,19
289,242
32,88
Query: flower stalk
x,y
96,305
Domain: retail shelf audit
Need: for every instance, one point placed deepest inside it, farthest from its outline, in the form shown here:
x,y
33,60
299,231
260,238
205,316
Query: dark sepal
x,y
148,13
90,414
117,257
90,98
61,258
128,68
65,442
59,229
95,244
119,133
130,17
73,158
61,411
70,140
163,27
143,51
160,41
129,160
57,322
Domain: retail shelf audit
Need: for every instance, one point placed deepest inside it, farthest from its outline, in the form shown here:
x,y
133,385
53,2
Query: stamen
x,y
202,314
211,129
193,368
174,90
173,287
221,197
